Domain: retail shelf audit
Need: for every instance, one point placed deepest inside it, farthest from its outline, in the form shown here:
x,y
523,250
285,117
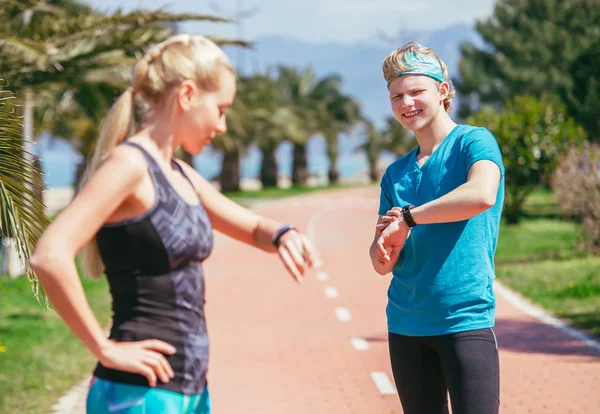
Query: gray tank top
x,y
154,269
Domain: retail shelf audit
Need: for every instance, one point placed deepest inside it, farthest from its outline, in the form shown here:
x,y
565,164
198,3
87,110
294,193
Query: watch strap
x,y
280,232
406,214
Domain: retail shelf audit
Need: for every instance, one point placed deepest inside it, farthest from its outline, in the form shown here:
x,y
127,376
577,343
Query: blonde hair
x,y
164,66
395,63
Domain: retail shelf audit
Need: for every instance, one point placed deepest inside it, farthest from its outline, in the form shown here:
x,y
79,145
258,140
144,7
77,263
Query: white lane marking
x,y
331,292
322,276
343,314
543,316
311,233
359,344
383,383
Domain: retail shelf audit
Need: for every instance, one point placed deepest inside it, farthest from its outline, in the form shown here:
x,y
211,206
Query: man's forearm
x,y
460,204
381,268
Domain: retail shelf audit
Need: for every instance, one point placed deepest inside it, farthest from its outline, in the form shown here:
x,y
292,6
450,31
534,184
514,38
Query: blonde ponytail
x,y
115,129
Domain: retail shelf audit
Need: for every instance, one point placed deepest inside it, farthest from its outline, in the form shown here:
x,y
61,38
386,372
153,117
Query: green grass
x,y
40,359
542,203
570,289
538,239
246,198
274,192
541,259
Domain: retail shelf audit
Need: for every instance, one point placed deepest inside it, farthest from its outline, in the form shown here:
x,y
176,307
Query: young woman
x,y
146,220
437,231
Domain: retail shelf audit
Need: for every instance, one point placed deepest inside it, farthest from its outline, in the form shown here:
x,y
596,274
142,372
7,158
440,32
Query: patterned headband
x,y
421,64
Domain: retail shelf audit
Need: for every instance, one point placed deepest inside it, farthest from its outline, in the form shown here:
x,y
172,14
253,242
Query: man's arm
x,y
384,259
470,199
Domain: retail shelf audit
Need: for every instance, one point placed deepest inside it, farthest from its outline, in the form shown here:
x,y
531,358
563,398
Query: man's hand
x,y
391,215
391,241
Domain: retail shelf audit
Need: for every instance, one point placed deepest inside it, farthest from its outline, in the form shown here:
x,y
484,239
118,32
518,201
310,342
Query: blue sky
x,y
344,21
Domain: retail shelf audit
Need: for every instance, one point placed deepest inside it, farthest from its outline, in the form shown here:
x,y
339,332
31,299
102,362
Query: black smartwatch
x,y
408,218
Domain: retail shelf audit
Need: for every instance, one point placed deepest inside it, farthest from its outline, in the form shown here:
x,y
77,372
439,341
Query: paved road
x,y
321,347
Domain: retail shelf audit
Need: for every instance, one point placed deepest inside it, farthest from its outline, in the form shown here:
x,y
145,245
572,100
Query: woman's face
x,y
203,113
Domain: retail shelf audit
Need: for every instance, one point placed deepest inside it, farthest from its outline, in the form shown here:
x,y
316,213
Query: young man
x,y
437,231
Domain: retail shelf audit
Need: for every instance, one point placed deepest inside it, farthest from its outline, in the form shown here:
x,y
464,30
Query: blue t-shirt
x,y
442,282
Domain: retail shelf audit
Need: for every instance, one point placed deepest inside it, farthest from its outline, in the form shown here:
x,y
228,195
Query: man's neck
x,y
432,135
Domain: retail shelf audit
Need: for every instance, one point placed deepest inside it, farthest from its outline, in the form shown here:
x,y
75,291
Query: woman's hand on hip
x,y
142,357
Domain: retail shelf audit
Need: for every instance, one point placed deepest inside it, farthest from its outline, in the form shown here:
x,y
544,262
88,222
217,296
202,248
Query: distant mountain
x,y
359,64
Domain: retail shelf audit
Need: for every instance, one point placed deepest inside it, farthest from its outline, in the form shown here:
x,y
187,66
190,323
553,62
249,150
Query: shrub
x,y
576,182
532,134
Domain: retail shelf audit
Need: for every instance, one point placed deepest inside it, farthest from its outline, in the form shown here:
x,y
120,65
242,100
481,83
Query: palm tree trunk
x,y
333,152
373,175
299,166
268,169
372,159
230,171
333,174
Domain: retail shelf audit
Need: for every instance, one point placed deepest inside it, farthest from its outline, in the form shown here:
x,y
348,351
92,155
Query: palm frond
x,y
22,213
117,75
145,17
144,34
28,51
221,41
88,25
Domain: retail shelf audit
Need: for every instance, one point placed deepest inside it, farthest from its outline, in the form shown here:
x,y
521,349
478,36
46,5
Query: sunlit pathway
x,y
321,347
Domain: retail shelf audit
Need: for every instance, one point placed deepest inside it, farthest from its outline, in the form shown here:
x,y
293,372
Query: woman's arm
x,y
53,259
248,227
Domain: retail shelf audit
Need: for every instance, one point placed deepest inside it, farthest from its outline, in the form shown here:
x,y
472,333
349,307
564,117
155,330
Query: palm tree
x,y
22,213
372,148
257,117
299,89
76,117
72,61
235,141
278,126
270,121
337,114
393,138
323,109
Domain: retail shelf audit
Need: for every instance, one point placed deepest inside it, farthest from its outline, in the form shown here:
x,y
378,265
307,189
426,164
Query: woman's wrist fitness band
x,y
280,232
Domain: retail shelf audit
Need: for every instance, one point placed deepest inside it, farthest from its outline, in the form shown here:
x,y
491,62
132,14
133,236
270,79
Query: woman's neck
x,y
161,133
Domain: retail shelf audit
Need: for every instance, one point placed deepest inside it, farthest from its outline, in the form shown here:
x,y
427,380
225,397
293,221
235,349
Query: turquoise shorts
x,y
107,397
